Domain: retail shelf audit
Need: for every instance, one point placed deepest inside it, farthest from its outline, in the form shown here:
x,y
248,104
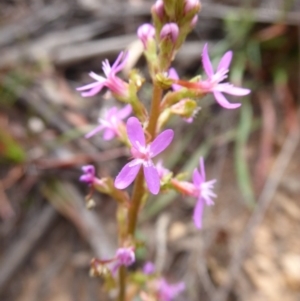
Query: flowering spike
x,y
142,155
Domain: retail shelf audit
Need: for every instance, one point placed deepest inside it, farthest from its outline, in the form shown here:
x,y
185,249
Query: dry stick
x,y
263,203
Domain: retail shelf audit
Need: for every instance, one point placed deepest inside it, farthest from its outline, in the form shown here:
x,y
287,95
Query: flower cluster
x,y
146,134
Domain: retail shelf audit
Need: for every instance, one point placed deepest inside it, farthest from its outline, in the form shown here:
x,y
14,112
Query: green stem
x,y
155,110
122,283
137,195
138,189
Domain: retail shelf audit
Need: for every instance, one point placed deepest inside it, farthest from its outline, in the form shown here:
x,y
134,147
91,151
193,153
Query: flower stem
x,y
138,189
155,110
122,283
137,195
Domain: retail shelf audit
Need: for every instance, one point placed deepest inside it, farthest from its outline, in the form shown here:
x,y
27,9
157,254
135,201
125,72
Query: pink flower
x,y
142,155
213,83
148,268
203,192
170,30
110,124
167,292
112,82
89,175
124,257
146,32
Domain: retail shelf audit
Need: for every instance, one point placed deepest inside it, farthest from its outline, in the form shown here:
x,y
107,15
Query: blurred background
x,y
249,247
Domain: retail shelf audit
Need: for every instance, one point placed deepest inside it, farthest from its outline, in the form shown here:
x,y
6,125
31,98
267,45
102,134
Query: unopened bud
x,y
171,31
191,4
158,8
146,32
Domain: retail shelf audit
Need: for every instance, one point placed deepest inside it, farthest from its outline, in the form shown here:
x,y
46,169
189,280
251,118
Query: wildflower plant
x,y
146,134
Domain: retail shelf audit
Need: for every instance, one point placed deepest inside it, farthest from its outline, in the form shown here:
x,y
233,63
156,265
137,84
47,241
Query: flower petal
x,y
225,61
223,102
135,132
124,112
198,212
206,62
108,134
93,91
202,168
161,142
127,174
116,67
197,179
173,75
97,77
231,89
94,131
151,177
89,86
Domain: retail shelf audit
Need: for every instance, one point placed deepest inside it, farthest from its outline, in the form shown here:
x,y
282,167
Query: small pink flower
x,y
213,83
110,124
146,32
167,292
112,82
142,155
170,30
148,268
203,192
89,175
124,257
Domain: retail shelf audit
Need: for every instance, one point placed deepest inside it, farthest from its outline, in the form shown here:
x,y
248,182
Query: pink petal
x,y
173,75
225,61
97,77
202,168
89,86
108,134
94,131
223,102
161,142
135,132
198,212
197,179
124,112
127,174
93,91
124,56
206,62
152,178
231,89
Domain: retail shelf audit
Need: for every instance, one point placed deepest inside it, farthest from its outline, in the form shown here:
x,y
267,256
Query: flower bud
x,y
171,31
158,8
191,4
146,32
